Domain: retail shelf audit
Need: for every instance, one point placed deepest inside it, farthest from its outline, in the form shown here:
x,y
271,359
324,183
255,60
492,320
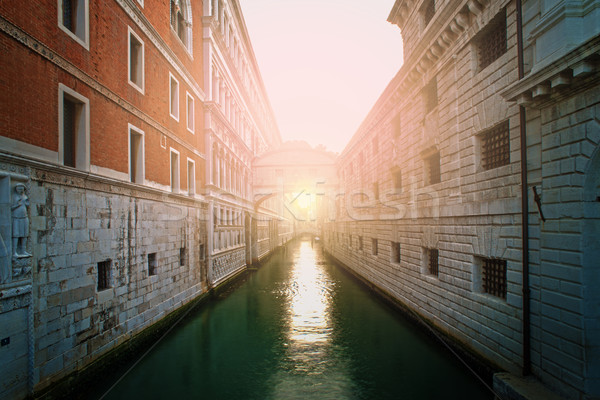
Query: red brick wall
x,y
29,83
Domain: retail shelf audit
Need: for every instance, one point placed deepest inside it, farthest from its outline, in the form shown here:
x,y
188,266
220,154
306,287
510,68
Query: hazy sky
x,y
324,63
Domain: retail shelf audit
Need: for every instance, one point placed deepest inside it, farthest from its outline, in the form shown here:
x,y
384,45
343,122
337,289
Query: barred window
x,y
432,169
428,11
491,41
493,276
430,95
182,256
152,264
396,252
495,146
432,261
104,275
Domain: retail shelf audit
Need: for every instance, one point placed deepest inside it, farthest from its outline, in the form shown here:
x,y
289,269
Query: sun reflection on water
x,y
311,367
308,313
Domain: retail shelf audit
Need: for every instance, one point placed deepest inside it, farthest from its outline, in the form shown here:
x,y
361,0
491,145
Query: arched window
x,y
181,21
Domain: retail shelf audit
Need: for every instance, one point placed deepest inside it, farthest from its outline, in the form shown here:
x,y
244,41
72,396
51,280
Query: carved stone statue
x,y
20,222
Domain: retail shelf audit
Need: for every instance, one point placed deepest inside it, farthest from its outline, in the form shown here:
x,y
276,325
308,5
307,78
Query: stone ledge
x,y
511,387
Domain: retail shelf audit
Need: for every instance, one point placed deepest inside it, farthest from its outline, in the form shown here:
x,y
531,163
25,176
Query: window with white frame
x,y
136,155
173,97
174,171
136,60
191,176
190,112
73,18
74,128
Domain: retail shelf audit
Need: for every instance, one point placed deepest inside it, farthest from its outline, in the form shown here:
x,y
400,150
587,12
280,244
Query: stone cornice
x,y
60,175
433,46
560,74
50,55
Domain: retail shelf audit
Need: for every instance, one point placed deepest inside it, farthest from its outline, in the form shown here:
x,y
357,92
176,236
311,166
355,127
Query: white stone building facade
x,y
239,126
431,197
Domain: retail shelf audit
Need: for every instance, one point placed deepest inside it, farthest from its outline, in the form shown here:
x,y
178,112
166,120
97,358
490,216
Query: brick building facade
x,y
108,116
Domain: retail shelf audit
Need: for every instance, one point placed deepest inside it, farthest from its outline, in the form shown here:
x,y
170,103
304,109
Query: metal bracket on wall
x,y
538,201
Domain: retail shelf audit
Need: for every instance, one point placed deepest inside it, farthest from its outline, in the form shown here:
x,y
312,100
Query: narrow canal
x,y
298,328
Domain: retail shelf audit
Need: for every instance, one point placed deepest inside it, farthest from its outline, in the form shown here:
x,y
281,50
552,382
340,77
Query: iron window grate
x,y
496,147
433,168
492,43
396,252
494,277
103,275
429,12
433,262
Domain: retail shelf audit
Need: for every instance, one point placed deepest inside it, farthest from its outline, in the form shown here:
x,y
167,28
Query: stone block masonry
x,y
129,257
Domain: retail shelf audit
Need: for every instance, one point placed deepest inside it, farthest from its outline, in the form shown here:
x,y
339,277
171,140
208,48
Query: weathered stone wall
x,y
564,142
471,214
79,223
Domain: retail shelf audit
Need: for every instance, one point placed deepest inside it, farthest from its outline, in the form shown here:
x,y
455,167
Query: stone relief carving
x,y
15,258
20,222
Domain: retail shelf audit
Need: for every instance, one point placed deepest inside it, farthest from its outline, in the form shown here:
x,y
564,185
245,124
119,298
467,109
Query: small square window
x,y
495,146
182,256
374,247
432,169
396,252
173,97
491,41
73,18
152,264
136,61
104,275
490,276
190,113
432,261
202,251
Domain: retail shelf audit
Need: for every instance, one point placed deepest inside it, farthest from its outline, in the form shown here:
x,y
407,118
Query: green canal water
x,y
298,328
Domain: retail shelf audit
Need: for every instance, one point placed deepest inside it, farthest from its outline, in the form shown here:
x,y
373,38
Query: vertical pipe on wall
x,y
524,205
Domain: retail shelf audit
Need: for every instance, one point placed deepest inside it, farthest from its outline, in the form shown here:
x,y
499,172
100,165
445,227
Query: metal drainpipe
x,y
524,205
